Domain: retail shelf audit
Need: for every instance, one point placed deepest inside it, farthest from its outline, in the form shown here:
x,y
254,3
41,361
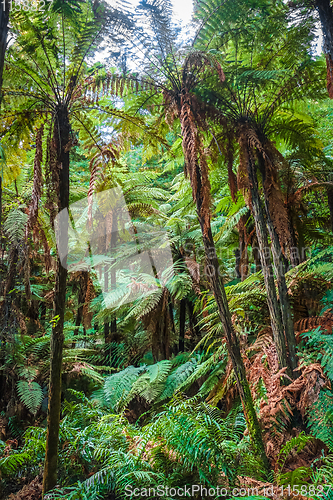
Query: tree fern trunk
x,y
197,169
234,348
284,302
195,330
330,205
61,135
182,316
264,252
4,18
279,264
83,285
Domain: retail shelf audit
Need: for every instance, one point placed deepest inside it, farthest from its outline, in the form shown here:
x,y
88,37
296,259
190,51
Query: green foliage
x,y
30,394
12,463
297,443
15,225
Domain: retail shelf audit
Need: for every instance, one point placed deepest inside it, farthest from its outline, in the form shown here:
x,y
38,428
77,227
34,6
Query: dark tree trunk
x,y
279,269
256,254
326,19
283,298
43,313
6,312
330,204
106,328
113,245
61,137
295,258
233,347
83,285
237,254
195,330
265,258
0,210
182,316
4,18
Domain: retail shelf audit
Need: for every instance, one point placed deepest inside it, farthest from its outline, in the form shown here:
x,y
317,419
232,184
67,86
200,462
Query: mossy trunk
x,y
83,285
4,19
279,264
62,136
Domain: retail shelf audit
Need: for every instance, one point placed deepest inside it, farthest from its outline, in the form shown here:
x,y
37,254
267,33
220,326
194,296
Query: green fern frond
x,y
15,225
30,394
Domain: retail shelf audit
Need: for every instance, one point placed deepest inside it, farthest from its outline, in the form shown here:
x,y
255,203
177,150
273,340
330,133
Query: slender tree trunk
x,y
107,337
182,316
234,348
326,19
61,136
6,311
295,258
264,251
197,169
113,245
195,330
330,204
83,285
4,18
0,209
237,254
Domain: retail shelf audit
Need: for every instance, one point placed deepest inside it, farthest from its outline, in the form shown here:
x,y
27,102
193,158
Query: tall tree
x,y
260,80
177,76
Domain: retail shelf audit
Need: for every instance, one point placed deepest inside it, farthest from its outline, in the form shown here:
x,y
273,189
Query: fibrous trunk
x,y
196,168
61,141
284,301
264,252
280,270
4,18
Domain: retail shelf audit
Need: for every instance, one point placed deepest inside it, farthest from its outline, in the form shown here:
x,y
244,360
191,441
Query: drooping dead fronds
x,y
38,180
87,313
196,166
